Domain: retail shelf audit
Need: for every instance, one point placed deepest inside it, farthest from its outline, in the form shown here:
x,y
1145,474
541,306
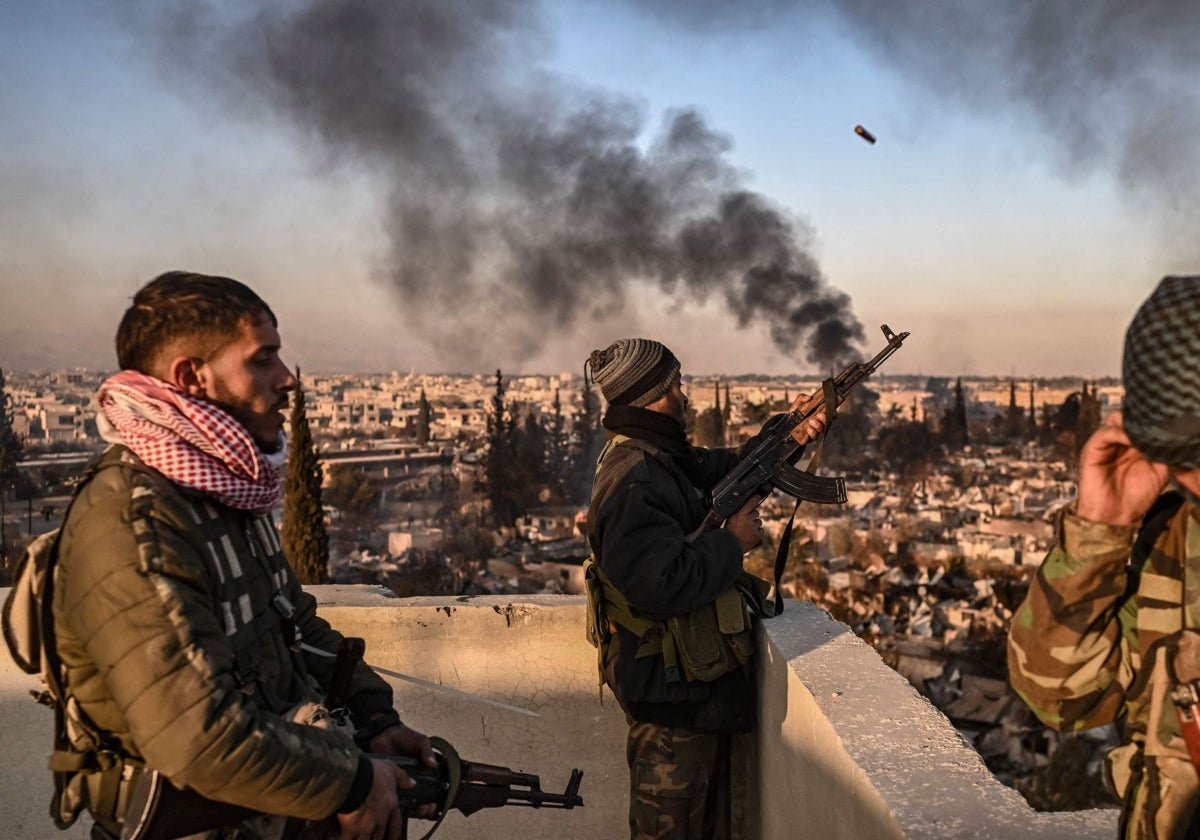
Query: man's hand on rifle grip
x,y
379,816
746,524
813,426
401,740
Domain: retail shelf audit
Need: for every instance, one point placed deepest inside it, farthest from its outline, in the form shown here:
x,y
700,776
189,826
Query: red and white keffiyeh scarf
x,y
191,441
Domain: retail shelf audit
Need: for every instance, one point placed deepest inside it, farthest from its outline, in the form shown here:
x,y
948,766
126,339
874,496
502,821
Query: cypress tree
x,y
961,437
556,448
305,540
588,436
720,417
1014,421
1089,416
424,416
11,448
500,457
1032,428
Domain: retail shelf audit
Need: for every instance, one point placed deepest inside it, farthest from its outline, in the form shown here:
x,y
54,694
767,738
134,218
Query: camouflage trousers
x,y
679,783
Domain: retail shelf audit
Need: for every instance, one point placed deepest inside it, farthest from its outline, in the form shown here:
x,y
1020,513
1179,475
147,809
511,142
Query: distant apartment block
x,y
61,422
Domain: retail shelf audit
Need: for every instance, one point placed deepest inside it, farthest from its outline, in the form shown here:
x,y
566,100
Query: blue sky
x,y
969,222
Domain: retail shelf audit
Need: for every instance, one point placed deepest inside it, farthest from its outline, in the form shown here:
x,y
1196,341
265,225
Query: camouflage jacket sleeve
x,y
1069,651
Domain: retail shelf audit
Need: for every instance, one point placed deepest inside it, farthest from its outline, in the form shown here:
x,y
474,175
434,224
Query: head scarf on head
x,y
633,371
1161,373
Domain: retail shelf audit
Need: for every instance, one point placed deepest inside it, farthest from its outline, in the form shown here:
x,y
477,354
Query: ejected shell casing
x,y
864,134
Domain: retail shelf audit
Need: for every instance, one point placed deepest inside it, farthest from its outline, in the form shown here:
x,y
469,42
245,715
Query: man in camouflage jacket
x,y
190,648
1100,638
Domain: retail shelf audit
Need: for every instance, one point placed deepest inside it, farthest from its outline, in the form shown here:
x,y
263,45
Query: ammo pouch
x,y
701,645
597,625
88,774
718,637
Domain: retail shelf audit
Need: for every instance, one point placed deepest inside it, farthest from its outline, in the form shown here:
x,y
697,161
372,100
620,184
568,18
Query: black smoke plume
x,y
519,204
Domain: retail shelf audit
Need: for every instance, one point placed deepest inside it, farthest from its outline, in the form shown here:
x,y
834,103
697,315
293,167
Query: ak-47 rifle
x,y
768,465
161,811
469,786
166,812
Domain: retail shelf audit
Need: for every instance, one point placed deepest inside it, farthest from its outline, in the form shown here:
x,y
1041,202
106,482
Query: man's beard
x,y
247,420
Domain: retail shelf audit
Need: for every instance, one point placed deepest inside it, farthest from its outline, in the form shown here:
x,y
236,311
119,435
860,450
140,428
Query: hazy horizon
x,y
578,377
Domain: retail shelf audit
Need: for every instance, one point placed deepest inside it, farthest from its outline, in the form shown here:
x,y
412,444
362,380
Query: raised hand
x,y
1117,484
812,426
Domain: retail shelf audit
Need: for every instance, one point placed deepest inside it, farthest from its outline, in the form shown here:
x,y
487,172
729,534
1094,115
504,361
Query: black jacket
x,y
641,511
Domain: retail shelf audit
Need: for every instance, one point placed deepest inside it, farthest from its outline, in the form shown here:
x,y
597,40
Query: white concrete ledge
x,y
846,749
851,750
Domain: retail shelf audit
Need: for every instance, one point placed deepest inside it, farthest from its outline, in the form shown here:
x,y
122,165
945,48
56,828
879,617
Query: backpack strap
x,y
1153,524
51,665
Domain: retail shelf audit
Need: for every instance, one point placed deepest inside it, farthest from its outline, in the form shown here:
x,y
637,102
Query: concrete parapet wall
x,y
528,652
847,748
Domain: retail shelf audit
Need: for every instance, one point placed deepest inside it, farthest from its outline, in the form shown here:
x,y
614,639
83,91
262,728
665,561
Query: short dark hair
x,y
181,305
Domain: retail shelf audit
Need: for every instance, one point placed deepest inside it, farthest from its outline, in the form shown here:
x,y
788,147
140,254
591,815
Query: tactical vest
x,y
90,769
701,645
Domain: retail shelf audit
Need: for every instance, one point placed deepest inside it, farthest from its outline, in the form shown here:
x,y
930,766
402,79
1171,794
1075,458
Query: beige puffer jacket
x,y
157,589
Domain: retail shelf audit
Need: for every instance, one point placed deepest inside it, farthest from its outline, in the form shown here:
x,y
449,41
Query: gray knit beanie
x,y
633,371
1161,373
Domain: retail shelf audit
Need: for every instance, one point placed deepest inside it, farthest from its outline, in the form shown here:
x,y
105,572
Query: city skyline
x,y
1025,193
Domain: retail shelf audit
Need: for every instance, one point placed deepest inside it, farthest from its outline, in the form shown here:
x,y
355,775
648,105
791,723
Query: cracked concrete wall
x,y
847,748
528,652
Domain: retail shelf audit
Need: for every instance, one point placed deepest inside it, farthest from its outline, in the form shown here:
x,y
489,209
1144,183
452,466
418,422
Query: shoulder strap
x,y
1153,524
647,447
654,452
634,443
